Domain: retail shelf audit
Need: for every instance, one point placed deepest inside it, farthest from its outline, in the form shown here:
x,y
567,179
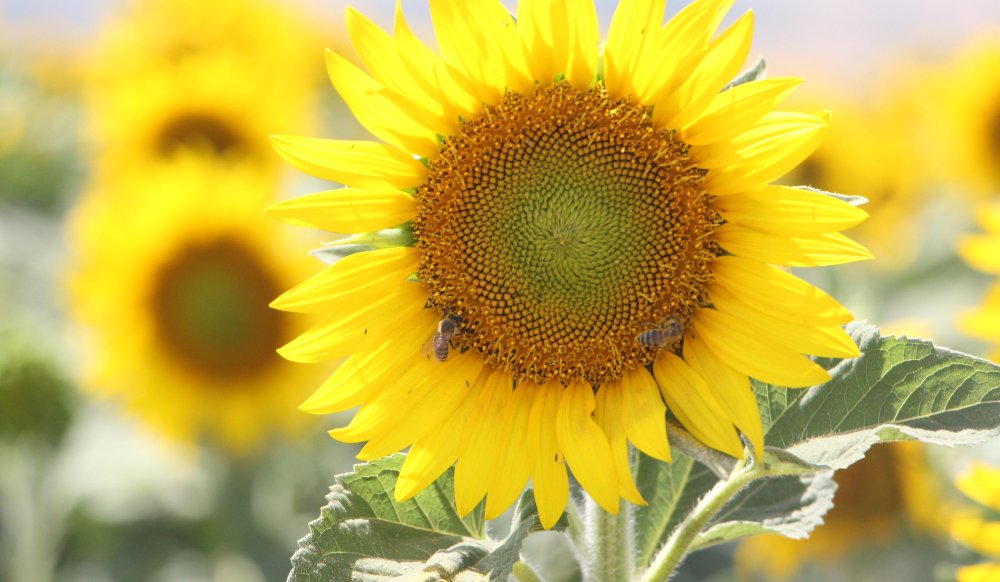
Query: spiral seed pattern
x,y
557,226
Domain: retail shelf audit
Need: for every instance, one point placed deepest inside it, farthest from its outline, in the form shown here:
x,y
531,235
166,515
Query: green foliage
x,y
898,389
364,534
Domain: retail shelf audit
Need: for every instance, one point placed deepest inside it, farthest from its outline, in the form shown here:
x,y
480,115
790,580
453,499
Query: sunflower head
x,y
173,275
597,229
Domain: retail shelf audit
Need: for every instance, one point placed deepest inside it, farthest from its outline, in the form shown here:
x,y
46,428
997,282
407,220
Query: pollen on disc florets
x,y
559,226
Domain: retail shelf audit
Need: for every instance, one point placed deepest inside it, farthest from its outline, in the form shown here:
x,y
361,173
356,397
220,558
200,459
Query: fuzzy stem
x,y
679,542
609,544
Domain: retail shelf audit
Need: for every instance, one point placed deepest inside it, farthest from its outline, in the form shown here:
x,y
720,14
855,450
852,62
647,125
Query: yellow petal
x,y
480,38
608,414
736,110
351,281
633,31
483,426
548,469
781,141
680,47
380,55
982,485
643,414
778,293
382,112
739,345
371,419
363,375
358,330
789,211
778,135
719,66
561,37
347,210
431,455
830,341
829,248
511,471
693,404
427,405
435,75
731,389
585,446
363,164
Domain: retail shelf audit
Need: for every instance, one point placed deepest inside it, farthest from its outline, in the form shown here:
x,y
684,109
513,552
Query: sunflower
x,y
210,104
173,274
274,39
982,485
980,251
969,121
891,490
586,242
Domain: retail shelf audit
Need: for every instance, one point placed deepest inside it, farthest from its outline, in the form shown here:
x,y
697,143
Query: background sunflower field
x,y
148,429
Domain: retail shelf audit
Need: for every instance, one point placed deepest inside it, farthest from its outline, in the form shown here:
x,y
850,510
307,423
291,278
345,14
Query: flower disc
x,y
558,226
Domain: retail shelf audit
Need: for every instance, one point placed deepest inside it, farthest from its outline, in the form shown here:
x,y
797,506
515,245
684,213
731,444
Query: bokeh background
x,y
149,432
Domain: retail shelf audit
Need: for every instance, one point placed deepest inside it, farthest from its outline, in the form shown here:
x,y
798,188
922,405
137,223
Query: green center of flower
x,y
559,227
210,306
199,131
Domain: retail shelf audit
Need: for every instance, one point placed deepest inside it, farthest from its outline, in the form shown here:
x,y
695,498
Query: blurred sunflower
x,y
970,120
892,488
982,251
174,270
592,242
982,485
214,105
871,151
276,40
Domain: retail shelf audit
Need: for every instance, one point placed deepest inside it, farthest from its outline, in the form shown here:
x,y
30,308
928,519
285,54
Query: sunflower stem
x,y
609,544
679,543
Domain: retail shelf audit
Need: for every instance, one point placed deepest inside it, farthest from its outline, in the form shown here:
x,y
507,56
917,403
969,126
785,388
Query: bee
x,y
441,342
662,334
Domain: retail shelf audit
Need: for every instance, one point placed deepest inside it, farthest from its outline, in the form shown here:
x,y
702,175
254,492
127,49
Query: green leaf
x,y
363,529
500,562
755,73
789,505
790,499
898,389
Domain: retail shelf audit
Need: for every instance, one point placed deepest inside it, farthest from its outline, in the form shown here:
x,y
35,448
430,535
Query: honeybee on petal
x,y
670,329
441,342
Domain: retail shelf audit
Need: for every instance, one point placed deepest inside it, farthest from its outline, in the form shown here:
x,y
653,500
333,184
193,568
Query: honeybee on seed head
x,y
441,342
662,334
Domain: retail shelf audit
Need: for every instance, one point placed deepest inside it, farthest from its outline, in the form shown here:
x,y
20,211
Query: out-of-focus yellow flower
x,y
871,152
982,485
891,488
277,40
174,270
209,105
982,251
968,118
